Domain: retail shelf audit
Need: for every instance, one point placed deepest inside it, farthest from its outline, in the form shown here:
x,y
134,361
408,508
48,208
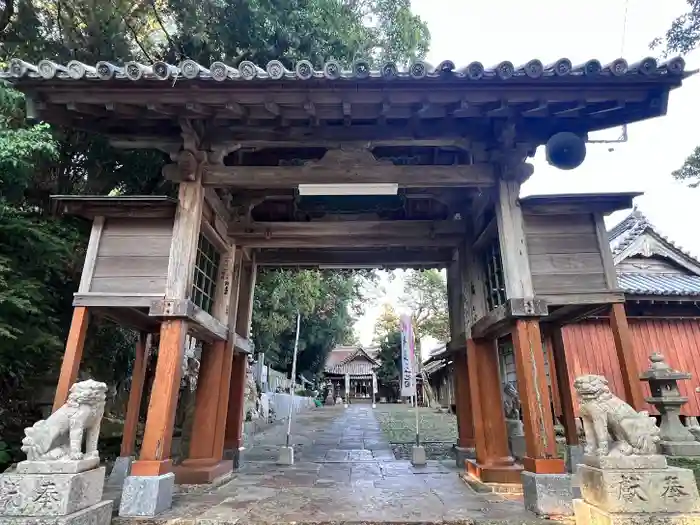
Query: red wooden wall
x,y
590,349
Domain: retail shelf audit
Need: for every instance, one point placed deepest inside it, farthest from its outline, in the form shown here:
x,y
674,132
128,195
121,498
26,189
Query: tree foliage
x,y
328,301
425,294
389,357
41,257
683,35
387,323
681,38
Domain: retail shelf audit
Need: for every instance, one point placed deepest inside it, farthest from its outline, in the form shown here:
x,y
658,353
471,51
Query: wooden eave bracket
x,y
202,324
498,321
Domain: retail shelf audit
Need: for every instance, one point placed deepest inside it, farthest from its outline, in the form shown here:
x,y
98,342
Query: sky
x,y
520,30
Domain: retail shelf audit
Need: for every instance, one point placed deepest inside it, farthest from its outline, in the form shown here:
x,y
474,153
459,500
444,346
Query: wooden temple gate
x,y
434,157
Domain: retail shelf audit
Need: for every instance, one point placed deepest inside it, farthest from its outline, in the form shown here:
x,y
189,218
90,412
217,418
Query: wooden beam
x,y
497,322
511,232
183,249
355,258
203,323
605,252
242,344
356,234
277,177
115,300
91,254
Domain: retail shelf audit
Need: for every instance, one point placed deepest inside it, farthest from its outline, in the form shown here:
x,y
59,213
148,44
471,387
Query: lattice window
x,y
494,280
205,273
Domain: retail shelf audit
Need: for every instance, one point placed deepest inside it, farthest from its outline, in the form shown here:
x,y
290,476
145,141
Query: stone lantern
x,y
676,440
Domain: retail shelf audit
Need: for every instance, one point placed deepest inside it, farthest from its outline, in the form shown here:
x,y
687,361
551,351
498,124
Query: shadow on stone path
x,y
344,471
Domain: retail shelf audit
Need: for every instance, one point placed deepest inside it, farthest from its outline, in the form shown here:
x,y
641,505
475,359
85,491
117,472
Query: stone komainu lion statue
x,y
511,401
60,436
611,426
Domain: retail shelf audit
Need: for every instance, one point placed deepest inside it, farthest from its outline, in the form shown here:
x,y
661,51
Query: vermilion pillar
x,y
154,458
72,355
625,355
204,463
138,377
541,447
465,422
493,462
234,420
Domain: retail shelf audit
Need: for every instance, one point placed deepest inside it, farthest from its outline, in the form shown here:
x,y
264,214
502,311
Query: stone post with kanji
x,y
624,479
60,483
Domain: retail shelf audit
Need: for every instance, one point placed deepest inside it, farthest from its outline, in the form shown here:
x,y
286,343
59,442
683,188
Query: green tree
x,y
681,38
387,323
425,294
40,258
328,301
389,357
683,35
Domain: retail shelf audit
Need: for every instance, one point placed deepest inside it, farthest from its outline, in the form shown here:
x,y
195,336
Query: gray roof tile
x,y
659,284
626,232
333,70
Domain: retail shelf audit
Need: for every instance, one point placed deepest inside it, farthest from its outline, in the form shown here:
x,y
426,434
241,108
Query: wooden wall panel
x,y
133,256
564,254
590,349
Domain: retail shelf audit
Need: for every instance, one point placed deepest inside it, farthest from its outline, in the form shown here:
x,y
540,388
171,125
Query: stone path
x,y
344,472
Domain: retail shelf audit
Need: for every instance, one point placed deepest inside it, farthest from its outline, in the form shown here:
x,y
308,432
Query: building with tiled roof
x,y
661,283
359,364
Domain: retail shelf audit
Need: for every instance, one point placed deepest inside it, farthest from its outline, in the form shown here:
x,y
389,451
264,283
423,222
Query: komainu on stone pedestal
x,y
59,483
611,426
623,479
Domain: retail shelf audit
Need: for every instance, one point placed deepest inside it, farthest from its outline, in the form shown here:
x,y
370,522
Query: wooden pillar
x,y
457,317
626,357
465,422
234,420
138,377
204,462
227,369
244,313
493,462
561,370
540,443
72,355
154,458
75,343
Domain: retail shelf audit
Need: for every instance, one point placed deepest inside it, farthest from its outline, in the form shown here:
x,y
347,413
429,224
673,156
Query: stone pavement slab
x,y
344,473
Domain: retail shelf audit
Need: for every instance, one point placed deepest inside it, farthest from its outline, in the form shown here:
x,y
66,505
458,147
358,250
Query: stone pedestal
x,y
616,491
120,471
418,457
517,447
681,448
548,494
147,495
61,494
462,454
516,438
574,457
286,456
